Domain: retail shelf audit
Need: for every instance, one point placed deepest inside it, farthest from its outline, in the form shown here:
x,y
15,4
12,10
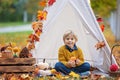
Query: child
x,y
71,59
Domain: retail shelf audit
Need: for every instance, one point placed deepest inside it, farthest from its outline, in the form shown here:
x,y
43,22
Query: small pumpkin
x,y
73,58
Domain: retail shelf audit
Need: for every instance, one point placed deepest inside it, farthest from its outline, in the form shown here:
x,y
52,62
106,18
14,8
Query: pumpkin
x,y
73,58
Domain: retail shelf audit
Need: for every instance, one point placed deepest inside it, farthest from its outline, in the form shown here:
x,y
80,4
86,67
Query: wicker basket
x,y
7,55
114,52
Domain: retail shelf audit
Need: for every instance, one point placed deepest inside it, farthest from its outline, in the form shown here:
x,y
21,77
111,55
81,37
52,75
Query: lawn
x,y
7,24
20,38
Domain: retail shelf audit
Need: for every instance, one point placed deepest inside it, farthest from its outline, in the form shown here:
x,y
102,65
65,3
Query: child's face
x,y
70,41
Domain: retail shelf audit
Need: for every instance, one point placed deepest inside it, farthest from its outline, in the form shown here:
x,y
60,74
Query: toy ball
x,y
113,67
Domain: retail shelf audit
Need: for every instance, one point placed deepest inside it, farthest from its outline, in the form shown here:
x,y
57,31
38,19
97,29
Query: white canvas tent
x,y
78,16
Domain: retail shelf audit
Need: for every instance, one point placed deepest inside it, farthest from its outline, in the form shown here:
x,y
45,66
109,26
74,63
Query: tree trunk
x,y
117,35
25,17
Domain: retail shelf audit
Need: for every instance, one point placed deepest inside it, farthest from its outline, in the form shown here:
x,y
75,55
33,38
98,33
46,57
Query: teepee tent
x,y
78,16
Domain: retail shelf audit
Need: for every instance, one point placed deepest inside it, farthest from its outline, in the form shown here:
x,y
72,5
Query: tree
x,y
7,10
103,7
15,10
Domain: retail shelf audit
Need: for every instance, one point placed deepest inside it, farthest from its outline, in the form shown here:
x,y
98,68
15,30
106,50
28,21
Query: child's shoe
x,y
57,74
53,71
87,73
73,74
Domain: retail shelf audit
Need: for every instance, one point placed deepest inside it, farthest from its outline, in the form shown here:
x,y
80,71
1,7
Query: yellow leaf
x,y
41,78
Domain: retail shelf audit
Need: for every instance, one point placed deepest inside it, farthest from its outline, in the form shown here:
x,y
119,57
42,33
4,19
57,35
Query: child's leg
x,y
60,67
82,68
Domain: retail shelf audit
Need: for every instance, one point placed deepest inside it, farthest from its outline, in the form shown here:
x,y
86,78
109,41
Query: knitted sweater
x,y
64,55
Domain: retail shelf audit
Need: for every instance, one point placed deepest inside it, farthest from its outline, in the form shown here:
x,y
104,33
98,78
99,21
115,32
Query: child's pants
x,y
60,67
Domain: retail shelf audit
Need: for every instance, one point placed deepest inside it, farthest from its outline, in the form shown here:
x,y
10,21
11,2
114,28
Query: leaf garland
x,y
50,2
38,25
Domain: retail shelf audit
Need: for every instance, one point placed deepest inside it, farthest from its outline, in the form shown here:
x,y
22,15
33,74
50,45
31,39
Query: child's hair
x,y
67,33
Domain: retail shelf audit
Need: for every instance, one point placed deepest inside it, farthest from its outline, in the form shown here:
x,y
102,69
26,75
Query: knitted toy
x,y
114,68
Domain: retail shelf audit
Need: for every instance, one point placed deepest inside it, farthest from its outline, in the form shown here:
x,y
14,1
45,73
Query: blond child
x,y
71,59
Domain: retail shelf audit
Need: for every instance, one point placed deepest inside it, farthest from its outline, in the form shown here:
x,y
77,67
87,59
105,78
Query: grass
x,y
20,38
6,24
110,38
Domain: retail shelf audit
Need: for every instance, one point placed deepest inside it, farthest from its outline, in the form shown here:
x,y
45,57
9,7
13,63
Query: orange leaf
x,y
44,15
43,3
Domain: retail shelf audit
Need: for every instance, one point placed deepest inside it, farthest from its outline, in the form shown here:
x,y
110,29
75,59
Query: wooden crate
x,y
19,65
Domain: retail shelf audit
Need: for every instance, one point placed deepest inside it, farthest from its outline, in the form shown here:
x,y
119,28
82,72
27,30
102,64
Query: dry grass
x,y
115,46
109,36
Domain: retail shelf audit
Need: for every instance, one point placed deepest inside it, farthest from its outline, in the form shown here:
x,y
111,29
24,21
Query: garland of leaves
x,y
37,26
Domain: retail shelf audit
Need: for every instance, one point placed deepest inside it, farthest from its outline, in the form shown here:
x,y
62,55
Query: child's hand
x,y
77,61
71,64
